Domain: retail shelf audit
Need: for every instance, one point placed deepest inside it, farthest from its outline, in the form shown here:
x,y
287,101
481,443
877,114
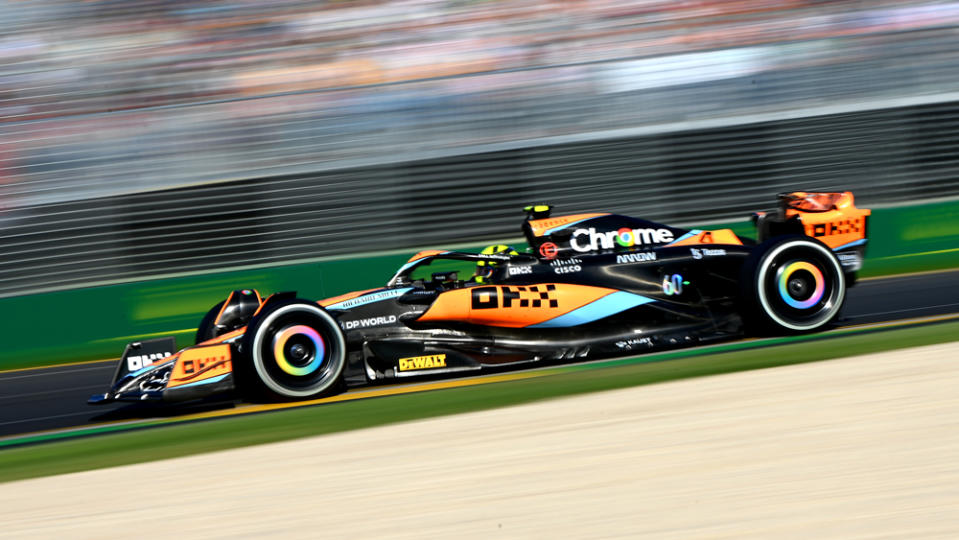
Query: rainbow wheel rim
x,y
299,350
791,278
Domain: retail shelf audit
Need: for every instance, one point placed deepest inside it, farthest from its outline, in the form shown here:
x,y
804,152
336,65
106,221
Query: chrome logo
x,y
624,237
584,240
279,346
788,271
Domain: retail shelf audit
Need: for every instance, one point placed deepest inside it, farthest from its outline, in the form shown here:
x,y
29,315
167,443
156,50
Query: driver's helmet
x,y
485,268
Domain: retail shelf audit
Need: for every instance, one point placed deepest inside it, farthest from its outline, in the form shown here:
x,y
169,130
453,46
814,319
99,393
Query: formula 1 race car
x,y
589,285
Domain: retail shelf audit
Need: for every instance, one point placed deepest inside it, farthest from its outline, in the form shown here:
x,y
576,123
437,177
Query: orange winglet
x,y
720,236
199,364
541,226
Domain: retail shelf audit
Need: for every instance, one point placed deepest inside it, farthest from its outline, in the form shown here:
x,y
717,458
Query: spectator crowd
x,y
112,92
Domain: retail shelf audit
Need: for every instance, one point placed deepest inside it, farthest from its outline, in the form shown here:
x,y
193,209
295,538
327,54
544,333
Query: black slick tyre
x,y
792,284
292,350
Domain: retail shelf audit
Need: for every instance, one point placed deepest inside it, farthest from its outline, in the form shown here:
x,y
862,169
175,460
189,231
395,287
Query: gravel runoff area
x,y
864,447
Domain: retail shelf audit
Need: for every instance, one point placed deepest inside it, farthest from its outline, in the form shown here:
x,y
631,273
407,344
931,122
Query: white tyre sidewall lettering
x,y
767,261
337,352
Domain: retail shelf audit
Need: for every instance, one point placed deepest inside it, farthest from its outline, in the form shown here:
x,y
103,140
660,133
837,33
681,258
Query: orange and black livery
x,y
587,285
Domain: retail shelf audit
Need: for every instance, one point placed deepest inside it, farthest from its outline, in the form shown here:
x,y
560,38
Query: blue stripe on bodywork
x,y
610,304
850,244
211,380
369,298
151,367
690,234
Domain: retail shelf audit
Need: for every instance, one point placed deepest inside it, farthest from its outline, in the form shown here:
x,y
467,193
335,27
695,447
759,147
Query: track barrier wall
x,y
85,212
125,224
95,322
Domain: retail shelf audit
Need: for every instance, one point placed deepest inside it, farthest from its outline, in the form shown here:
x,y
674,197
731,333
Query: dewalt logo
x,y
423,362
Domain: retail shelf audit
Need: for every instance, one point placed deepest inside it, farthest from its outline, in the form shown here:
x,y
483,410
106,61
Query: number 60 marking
x,y
673,284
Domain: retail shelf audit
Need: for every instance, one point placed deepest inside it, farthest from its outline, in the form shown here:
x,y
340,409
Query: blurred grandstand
x,y
132,131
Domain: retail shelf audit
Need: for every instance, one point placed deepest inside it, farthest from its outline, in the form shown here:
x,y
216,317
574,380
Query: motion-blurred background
x,y
162,137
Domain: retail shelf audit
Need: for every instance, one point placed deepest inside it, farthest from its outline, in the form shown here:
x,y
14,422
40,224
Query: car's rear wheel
x,y
792,284
294,350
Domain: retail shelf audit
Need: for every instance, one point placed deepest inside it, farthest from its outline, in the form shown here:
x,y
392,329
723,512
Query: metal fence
x,y
692,137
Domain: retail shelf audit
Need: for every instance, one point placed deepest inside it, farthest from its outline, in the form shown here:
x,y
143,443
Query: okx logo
x,y
534,296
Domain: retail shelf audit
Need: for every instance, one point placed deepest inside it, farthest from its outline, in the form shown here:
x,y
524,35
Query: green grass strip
x,y
192,438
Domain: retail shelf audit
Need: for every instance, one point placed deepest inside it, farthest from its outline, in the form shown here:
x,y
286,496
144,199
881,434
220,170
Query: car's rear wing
x,y
830,217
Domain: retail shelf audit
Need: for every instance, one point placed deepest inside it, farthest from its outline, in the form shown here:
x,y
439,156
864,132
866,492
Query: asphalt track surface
x,y
55,398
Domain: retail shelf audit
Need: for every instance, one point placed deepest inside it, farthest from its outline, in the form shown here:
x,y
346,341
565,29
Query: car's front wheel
x,y
294,350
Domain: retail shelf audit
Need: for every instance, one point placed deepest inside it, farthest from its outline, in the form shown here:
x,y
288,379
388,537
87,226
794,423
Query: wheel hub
x,y
801,284
798,288
298,352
